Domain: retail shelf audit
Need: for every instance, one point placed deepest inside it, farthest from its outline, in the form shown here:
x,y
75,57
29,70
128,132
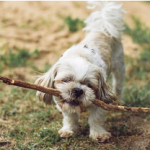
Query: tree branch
x,y
30,86
57,93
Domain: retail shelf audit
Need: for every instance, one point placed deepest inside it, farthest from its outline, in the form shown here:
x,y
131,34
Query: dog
x,y
82,72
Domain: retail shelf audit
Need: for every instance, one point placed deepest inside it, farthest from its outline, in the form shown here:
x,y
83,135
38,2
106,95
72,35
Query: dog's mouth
x,y
72,102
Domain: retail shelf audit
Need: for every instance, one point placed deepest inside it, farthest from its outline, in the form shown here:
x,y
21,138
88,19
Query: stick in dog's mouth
x,y
72,102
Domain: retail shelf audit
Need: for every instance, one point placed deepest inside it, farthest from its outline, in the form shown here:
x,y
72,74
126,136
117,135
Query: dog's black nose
x,y
77,92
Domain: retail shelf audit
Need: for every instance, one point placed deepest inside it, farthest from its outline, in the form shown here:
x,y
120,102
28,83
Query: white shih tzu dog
x,y
81,73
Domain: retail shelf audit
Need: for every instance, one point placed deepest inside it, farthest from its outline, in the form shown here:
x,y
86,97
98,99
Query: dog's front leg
x,y
70,124
96,122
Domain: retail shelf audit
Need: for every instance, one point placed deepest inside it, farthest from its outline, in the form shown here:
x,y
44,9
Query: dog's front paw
x,y
104,137
65,133
101,136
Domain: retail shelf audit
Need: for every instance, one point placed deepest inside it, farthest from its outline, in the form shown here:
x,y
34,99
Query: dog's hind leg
x,y
118,69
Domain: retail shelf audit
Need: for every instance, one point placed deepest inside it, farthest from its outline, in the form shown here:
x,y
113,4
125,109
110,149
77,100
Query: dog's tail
x,y
109,19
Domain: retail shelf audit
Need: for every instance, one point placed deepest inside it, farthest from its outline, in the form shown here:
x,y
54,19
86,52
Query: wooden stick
x,y
30,86
57,93
121,108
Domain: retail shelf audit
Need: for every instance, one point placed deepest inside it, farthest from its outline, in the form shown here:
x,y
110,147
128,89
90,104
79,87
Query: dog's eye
x,y
66,80
90,86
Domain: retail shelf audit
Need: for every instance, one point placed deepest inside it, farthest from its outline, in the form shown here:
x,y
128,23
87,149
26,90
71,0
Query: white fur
x,y
109,20
89,64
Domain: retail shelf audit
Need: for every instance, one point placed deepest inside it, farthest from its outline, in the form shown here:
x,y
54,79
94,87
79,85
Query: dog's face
x,y
78,80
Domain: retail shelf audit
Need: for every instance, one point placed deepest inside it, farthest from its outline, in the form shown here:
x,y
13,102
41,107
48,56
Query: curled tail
x,y
109,19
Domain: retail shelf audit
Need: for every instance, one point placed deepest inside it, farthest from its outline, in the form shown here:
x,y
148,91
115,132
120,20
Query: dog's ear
x,y
47,80
104,92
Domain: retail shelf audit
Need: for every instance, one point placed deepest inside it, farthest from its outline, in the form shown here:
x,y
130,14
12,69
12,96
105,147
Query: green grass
x,y
136,92
74,24
139,68
16,58
140,33
137,95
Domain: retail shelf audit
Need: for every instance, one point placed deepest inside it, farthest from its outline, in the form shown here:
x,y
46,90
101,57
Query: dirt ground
x,y
39,25
33,25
